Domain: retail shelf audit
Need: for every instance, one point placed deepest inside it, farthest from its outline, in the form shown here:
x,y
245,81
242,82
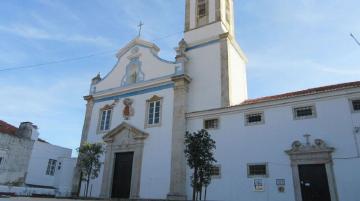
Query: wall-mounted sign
x,y
259,185
280,183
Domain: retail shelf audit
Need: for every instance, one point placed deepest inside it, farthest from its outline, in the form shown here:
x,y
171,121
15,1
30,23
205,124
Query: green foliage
x,y
89,161
199,152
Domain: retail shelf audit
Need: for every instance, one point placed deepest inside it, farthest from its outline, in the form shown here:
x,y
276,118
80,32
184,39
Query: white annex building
x,y
298,146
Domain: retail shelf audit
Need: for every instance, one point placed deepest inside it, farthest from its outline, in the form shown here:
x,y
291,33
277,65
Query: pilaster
x,y
224,56
84,135
178,162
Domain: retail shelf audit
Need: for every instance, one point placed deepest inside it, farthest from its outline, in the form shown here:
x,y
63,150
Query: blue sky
x,y
291,45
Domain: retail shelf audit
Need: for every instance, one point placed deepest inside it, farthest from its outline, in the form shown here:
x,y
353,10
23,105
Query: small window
x,y
211,123
254,118
154,111
356,105
50,170
215,171
304,112
105,119
201,6
257,170
202,12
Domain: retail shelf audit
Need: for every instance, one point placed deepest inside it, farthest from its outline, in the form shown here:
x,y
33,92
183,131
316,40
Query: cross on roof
x,y
307,137
140,26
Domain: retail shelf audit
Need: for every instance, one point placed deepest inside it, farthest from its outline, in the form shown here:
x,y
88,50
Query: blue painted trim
x,y
134,93
203,44
145,81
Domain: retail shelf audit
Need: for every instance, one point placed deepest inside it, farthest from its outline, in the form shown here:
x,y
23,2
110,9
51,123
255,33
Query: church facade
x,y
297,146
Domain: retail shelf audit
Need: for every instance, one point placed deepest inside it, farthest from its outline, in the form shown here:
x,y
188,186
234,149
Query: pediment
x,y
136,133
299,148
137,41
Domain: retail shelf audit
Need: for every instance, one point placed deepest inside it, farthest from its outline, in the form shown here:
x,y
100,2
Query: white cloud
x,y
31,32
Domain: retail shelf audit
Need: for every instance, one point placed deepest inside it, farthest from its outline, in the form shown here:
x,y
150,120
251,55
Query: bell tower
x,y
217,65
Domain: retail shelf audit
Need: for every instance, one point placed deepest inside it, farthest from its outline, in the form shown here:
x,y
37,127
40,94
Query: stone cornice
x,y
132,88
88,98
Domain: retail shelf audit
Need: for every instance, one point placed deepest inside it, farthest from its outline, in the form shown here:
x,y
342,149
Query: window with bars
x,y
257,170
215,171
105,119
254,118
356,105
211,123
50,170
304,112
154,112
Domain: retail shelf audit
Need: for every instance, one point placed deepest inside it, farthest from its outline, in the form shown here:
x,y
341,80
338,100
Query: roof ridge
x,y
303,92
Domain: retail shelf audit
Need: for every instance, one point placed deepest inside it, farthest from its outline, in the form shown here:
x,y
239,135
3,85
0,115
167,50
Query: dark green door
x,y
314,183
122,175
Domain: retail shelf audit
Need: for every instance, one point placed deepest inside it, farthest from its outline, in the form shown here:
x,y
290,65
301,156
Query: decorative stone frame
x,y
198,24
153,99
140,76
314,113
106,107
123,138
254,123
306,154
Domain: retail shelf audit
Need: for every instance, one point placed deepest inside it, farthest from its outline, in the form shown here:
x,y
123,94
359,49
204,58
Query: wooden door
x,y
314,183
122,175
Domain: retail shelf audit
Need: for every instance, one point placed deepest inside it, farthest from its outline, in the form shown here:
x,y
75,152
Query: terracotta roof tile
x,y
7,128
305,92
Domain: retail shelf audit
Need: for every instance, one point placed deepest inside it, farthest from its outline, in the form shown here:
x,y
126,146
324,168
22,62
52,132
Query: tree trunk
x,y
200,192
195,184
79,185
205,193
87,185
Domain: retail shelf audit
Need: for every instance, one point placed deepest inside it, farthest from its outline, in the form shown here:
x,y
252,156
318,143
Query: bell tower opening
x,y
217,14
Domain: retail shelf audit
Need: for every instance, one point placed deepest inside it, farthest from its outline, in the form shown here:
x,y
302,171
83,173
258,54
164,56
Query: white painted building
x,y
299,146
51,166
31,166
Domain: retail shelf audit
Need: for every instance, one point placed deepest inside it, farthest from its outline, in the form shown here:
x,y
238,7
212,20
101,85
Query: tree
x,y
89,162
199,152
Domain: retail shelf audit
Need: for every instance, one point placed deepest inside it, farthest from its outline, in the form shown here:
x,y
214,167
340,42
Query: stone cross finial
x,y
307,137
140,27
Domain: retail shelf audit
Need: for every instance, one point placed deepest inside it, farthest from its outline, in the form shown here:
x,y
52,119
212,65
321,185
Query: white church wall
x,y
238,145
151,66
205,87
205,33
38,164
155,175
237,77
